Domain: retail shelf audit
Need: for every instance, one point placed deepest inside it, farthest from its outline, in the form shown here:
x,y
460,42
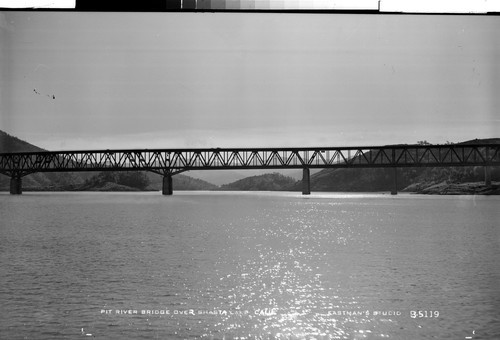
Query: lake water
x,y
249,266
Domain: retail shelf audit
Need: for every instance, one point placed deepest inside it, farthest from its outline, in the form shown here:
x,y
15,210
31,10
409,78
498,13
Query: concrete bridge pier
x,y
487,176
167,188
487,169
394,189
306,183
16,185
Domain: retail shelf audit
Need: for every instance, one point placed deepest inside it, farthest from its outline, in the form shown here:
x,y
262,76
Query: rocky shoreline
x,y
445,188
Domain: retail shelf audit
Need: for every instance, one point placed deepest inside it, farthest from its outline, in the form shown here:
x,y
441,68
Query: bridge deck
x,y
178,160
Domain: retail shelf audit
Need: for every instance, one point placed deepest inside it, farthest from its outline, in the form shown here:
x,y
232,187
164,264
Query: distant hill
x,y
221,177
141,180
266,182
115,181
180,182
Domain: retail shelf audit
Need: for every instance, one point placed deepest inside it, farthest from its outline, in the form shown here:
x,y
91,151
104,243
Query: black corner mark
x,y
122,6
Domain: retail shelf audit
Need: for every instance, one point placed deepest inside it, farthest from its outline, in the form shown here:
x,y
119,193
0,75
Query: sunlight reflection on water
x,y
247,266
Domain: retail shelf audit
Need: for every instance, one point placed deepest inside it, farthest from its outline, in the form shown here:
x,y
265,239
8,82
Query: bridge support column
x,y
306,183
487,176
487,169
167,188
394,189
16,185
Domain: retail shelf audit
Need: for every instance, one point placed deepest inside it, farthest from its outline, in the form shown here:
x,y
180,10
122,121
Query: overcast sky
x,y
148,80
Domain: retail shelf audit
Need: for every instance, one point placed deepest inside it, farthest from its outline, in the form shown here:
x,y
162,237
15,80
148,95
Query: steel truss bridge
x,y
168,162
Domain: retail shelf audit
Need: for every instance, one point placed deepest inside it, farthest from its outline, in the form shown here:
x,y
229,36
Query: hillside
x,y
266,182
180,182
37,181
446,188
417,180
365,180
221,177
10,143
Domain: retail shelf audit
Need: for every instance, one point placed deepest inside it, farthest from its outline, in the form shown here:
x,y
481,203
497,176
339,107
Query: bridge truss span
x,y
169,162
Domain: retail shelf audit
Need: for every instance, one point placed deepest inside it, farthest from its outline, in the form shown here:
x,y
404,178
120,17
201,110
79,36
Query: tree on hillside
x,y
133,179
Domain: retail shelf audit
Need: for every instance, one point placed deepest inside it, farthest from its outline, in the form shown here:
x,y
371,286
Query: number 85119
x,y
424,314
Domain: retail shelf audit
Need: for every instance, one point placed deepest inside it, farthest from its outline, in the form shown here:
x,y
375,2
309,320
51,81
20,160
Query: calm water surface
x,y
249,266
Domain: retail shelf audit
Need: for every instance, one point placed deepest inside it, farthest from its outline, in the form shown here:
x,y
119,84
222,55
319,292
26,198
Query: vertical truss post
x,y
16,185
167,188
306,182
